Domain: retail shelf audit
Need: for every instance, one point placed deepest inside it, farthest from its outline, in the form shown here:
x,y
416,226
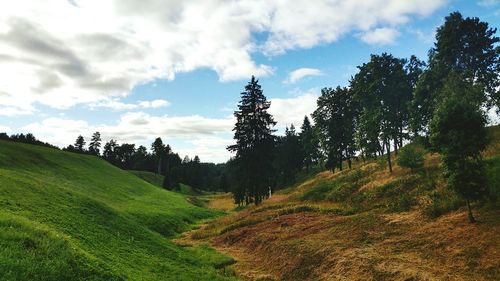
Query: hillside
x,y
365,224
152,178
65,216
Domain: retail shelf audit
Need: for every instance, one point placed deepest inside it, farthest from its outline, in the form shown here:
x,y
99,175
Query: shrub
x,y
411,157
442,203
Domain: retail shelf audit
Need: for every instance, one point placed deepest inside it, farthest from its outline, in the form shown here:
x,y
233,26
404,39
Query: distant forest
x,y
440,103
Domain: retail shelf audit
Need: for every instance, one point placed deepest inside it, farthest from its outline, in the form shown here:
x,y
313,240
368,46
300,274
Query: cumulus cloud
x,y
300,73
206,137
131,127
287,111
63,53
380,36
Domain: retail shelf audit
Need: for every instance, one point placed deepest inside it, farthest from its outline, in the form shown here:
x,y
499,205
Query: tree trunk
x,y
159,166
471,217
389,156
349,163
395,146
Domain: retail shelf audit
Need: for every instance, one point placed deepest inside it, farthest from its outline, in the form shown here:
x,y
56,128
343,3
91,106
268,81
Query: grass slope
x,y
365,224
66,216
152,178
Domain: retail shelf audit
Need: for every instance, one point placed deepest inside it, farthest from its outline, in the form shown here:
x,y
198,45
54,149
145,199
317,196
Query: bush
x,y
442,203
411,157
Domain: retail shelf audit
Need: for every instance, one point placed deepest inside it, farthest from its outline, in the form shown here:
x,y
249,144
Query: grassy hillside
x,y
152,178
66,216
366,224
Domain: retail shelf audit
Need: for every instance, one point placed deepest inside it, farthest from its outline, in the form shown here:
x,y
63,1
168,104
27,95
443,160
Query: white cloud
x,y
207,137
63,53
10,111
134,127
380,36
116,104
288,111
300,73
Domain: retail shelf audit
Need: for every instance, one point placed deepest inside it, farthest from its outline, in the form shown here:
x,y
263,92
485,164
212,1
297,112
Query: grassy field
x,y
365,224
65,216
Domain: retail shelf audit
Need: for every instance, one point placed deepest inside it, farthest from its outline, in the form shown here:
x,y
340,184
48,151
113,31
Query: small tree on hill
x,y
80,144
411,157
309,142
158,149
95,143
458,132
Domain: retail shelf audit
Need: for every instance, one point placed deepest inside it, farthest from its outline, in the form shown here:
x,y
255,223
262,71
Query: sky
x,y
135,70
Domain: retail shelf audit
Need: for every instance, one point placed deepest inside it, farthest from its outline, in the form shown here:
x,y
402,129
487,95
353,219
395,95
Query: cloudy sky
x,y
138,69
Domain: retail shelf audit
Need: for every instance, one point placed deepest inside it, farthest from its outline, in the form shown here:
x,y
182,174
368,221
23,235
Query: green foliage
x,y
442,202
411,157
492,167
288,158
335,123
310,143
382,89
66,216
466,46
458,132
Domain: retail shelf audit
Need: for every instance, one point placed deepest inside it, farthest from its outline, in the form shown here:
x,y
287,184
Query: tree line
x,y
389,102
160,160
25,138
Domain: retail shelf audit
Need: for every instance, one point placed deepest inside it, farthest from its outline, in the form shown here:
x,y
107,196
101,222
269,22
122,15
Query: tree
x,y
458,132
254,144
309,143
125,153
381,91
466,46
158,149
334,118
288,156
109,152
95,143
80,144
411,157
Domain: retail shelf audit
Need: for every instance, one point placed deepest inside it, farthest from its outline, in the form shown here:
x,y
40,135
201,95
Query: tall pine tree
x,y
254,145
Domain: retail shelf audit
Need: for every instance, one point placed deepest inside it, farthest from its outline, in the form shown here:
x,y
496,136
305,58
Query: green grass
x,y
65,216
152,178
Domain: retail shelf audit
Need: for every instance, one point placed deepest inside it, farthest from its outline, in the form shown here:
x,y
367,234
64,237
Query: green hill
x,y
65,216
152,178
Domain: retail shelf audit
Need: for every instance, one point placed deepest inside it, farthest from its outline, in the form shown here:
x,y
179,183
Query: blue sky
x,y
135,70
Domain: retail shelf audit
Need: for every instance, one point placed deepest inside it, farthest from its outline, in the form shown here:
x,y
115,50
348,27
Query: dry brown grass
x,y
222,202
405,246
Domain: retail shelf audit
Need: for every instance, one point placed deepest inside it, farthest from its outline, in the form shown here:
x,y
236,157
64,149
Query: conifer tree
x,y
95,144
80,144
254,144
310,143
